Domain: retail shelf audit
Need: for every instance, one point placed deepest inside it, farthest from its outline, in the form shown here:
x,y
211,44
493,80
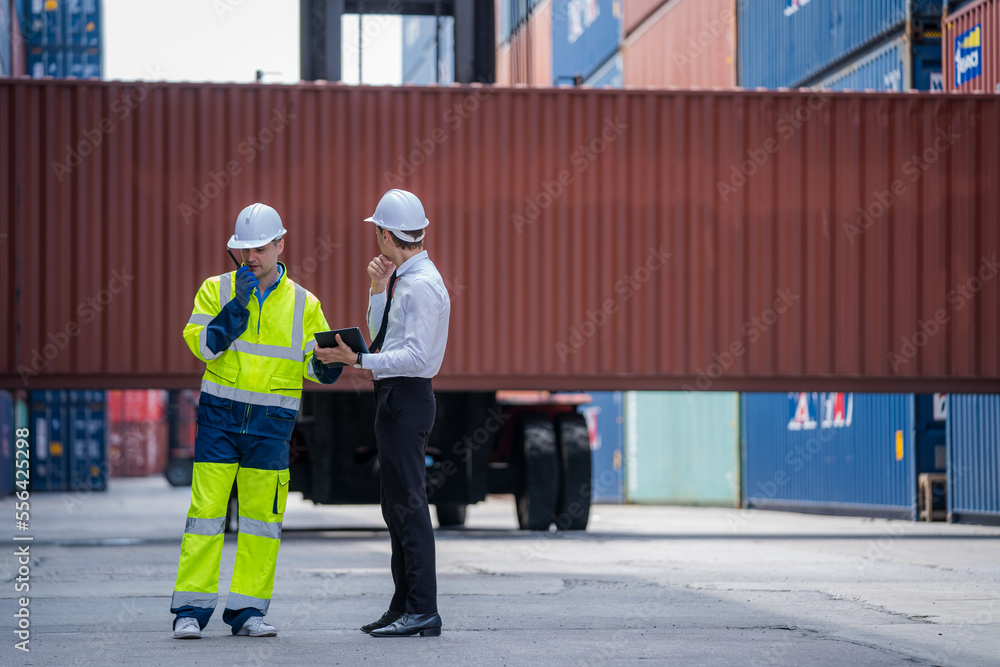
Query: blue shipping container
x,y
49,440
5,64
585,34
42,23
81,23
896,66
6,443
785,44
610,75
974,458
830,453
605,423
88,465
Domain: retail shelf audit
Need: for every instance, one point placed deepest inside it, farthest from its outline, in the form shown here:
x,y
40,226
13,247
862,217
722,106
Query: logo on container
x,y
792,6
581,14
807,411
968,56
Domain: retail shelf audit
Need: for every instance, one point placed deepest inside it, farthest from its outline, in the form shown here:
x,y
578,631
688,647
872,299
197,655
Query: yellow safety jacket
x,y
256,356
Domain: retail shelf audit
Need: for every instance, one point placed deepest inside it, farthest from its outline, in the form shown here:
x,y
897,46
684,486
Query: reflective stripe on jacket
x,y
255,385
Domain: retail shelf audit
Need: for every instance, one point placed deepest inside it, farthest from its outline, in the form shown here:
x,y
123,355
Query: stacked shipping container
x,y
68,436
680,43
894,66
585,35
524,39
793,44
63,38
137,432
971,45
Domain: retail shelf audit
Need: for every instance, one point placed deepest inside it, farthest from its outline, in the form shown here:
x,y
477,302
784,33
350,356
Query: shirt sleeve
x,y
421,310
376,306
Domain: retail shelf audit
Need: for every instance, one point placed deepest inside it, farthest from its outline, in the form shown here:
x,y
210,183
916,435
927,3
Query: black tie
x,y
380,338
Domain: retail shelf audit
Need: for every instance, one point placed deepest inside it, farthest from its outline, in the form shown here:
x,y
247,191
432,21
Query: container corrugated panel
x,y
50,440
606,424
830,453
88,465
634,12
972,48
974,458
7,443
665,280
784,44
893,67
684,44
585,34
527,57
609,75
682,448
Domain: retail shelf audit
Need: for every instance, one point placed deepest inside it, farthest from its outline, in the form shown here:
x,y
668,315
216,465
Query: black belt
x,y
389,382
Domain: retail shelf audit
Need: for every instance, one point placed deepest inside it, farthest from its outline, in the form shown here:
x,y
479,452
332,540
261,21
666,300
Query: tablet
x,y
351,336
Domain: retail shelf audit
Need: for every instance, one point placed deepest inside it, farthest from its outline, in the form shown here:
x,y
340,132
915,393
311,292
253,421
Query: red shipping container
x,y
683,44
637,11
971,48
644,234
527,58
137,449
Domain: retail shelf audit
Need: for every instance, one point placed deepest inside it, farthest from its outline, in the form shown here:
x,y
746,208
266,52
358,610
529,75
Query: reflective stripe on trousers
x,y
262,497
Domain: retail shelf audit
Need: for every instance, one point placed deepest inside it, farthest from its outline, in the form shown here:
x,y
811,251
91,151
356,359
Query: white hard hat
x,y
256,225
400,211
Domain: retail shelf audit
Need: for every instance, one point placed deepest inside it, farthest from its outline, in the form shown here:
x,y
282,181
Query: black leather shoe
x,y
426,625
388,618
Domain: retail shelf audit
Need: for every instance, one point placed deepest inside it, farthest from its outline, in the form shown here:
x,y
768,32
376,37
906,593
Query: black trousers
x,y
404,416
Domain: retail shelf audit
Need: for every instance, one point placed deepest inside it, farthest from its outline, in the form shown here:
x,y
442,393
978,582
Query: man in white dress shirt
x,y
408,312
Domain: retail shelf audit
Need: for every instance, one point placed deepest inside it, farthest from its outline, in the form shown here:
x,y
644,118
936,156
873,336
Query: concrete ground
x,y
663,585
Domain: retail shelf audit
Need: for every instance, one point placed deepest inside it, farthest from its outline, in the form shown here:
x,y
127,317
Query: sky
x,y
229,40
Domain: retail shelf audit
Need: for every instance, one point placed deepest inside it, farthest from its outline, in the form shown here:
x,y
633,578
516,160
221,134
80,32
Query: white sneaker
x,y
186,627
257,627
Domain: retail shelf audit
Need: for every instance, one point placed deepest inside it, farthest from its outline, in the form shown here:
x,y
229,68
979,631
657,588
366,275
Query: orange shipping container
x,y
683,44
637,11
527,57
590,239
971,48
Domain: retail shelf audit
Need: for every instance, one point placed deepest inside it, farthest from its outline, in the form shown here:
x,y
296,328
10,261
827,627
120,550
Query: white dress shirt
x,y
417,333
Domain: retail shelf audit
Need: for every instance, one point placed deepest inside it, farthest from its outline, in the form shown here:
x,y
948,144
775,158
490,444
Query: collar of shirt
x,y
408,264
261,297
